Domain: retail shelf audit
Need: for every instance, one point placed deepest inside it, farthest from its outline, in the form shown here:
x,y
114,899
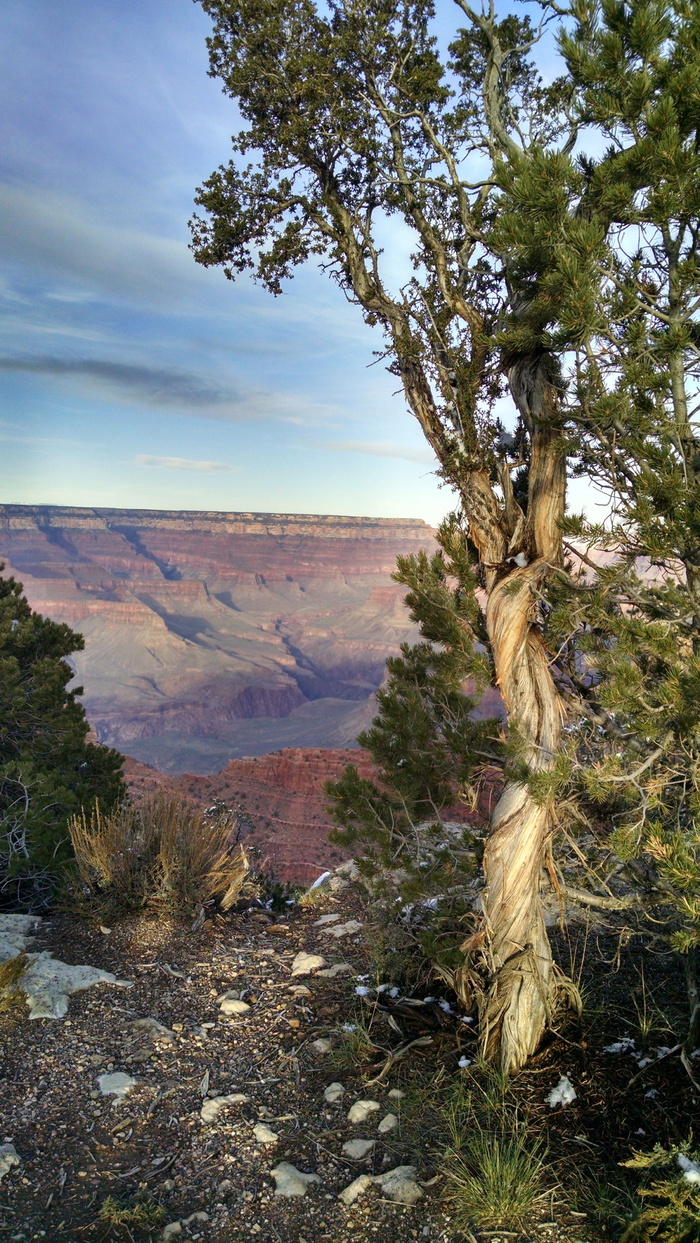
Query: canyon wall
x,y
215,635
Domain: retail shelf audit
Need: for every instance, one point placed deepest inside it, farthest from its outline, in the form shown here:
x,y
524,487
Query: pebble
x,y
356,1188
396,1094
117,1084
304,963
326,919
321,1045
264,1135
290,1181
360,1111
357,1148
300,990
8,1158
344,930
333,1093
231,1005
156,1029
212,1107
399,1184
338,968
388,1122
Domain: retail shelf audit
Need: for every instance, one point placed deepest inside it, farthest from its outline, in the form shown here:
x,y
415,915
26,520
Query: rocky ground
x,y
242,1110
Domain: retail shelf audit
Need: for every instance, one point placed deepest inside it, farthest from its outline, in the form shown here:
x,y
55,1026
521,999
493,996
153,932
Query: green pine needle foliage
x,y
671,1206
427,746
48,769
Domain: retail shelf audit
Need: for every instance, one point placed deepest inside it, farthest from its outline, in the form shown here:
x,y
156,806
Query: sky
x,y
129,375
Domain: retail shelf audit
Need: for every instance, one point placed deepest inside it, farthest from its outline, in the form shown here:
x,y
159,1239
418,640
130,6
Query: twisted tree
x,y
352,118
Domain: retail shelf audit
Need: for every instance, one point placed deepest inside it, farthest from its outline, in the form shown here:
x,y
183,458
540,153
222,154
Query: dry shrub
x,y
11,972
159,853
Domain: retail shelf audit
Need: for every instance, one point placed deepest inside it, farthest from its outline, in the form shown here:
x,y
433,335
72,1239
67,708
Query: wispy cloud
x,y
154,386
382,448
180,463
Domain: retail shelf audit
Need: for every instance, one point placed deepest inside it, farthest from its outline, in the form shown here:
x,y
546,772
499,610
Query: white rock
x,y
264,1135
360,1111
562,1094
399,1184
300,990
15,934
355,1189
338,968
349,870
290,1181
49,983
326,919
231,1006
388,1122
344,930
333,1092
304,963
169,1231
321,1045
357,1148
8,1153
117,1084
155,1029
212,1107
396,1094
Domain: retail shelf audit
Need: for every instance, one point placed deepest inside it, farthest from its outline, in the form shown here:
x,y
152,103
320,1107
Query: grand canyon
x,y
210,636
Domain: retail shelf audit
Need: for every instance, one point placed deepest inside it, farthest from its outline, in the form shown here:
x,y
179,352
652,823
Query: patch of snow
x,y
562,1094
691,1169
464,1062
320,880
624,1045
362,990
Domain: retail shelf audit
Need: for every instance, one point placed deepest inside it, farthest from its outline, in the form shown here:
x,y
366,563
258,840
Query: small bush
x,y
11,972
160,853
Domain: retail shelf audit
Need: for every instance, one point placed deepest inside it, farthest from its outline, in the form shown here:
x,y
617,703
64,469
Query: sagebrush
x,y
161,853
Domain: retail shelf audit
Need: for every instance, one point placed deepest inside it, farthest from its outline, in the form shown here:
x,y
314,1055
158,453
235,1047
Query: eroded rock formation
x,y
215,635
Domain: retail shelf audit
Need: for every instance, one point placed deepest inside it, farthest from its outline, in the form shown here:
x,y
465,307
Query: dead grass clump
x,y
159,853
11,972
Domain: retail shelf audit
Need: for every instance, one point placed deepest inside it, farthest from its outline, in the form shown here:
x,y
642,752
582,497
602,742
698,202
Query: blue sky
x,y
129,376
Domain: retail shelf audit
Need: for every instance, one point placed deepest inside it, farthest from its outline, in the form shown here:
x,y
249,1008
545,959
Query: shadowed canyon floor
x,y
209,636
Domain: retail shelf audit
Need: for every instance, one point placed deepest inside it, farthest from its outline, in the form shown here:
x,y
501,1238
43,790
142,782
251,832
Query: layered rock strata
x,y
211,635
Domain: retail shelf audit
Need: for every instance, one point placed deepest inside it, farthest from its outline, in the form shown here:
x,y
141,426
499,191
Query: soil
x,y
78,1148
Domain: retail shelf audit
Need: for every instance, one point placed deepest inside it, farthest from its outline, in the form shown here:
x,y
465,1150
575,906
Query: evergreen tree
x,y
529,278
48,770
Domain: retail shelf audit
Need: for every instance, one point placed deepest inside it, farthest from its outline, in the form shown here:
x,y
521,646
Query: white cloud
x,y
383,448
180,463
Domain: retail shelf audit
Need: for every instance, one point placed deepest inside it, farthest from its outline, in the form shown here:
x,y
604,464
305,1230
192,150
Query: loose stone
x,y
388,1122
304,963
264,1135
212,1108
357,1148
360,1111
290,1181
399,1184
333,1092
117,1084
355,1189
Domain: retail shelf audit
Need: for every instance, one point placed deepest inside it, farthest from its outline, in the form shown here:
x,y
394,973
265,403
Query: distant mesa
x,y
210,636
